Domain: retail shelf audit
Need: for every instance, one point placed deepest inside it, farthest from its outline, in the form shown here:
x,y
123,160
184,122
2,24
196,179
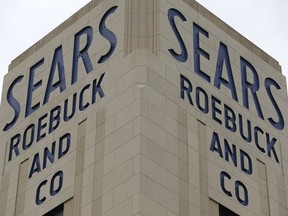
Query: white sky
x,y
23,23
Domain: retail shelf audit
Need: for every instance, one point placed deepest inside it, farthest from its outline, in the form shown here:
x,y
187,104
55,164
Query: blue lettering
x,y
244,201
205,107
256,132
61,83
14,142
224,175
254,87
184,88
66,108
223,56
82,107
230,152
183,56
96,88
31,88
36,166
230,118
41,126
77,53
247,138
42,200
270,147
54,119
62,151
109,35
248,170
215,145
280,123
216,110
199,51
13,103
25,144
50,155
54,191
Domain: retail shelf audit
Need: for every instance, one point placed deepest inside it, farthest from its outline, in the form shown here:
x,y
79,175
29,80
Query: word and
x,y
229,152
50,154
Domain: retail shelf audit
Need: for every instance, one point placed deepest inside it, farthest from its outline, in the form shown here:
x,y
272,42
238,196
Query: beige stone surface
x,y
142,150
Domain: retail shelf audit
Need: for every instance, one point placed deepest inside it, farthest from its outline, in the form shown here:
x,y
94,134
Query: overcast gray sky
x,y
23,23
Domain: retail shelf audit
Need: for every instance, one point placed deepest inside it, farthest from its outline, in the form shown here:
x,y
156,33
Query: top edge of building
x,y
194,4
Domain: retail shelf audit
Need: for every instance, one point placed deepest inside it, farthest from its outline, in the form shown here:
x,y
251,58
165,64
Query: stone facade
x,y
144,108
